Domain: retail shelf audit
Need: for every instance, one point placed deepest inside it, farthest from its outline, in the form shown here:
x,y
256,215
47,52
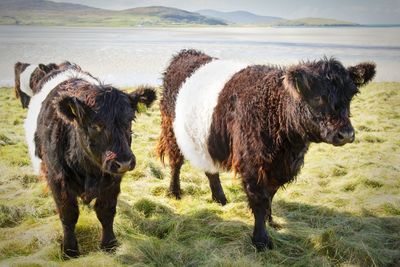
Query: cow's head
x,y
323,91
19,67
102,118
39,73
27,77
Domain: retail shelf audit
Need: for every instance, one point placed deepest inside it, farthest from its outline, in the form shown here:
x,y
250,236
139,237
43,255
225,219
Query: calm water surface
x,y
127,57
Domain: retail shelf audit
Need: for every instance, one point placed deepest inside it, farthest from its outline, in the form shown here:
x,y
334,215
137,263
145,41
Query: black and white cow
x,y
79,136
256,120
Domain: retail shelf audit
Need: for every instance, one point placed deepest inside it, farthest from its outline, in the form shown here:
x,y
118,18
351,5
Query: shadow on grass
x,y
153,234
343,237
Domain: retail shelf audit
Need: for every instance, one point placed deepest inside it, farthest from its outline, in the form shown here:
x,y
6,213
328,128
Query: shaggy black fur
x,y
83,138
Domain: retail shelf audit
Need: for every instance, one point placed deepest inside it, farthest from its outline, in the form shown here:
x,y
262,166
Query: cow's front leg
x,y
105,208
259,203
68,210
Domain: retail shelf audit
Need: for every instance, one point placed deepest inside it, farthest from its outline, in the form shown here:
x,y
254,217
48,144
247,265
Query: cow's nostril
x,y
117,164
340,136
345,136
124,166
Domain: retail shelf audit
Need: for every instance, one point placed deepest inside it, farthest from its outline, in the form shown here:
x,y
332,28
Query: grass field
x,y
344,208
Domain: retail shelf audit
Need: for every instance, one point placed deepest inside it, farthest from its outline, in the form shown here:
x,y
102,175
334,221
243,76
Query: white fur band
x,y
35,106
25,78
195,105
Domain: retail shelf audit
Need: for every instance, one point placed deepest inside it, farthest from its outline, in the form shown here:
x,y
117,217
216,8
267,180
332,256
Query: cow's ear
x,y
52,66
70,109
298,80
43,67
145,95
362,73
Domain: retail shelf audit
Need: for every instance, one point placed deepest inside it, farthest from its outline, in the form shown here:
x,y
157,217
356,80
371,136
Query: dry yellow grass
x,y
344,208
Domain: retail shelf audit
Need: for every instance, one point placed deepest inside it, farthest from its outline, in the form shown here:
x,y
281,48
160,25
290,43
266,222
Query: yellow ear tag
x,y
73,110
297,85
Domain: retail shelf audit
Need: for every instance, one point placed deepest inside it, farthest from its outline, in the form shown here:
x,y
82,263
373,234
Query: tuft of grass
x,y
350,187
390,209
10,215
339,171
160,190
5,140
149,208
373,139
343,209
372,183
156,171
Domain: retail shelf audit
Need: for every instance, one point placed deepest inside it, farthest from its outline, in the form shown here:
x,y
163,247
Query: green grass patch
x,y
343,209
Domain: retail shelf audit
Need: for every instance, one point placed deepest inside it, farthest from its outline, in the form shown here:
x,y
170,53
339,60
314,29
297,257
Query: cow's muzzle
x,y
343,136
120,166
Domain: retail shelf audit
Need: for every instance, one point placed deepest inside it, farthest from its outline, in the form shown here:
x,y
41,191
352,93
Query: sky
x,y
359,11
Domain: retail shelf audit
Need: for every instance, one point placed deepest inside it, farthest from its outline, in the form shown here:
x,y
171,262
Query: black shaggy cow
x,y
255,120
80,130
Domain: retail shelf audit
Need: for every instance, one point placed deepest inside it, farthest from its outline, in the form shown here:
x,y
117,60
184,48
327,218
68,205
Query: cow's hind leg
x,y
271,221
67,206
167,145
105,208
259,203
175,163
216,188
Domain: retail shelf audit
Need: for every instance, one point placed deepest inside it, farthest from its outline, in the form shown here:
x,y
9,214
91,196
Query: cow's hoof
x,y
221,199
262,243
263,246
70,253
70,248
109,246
174,193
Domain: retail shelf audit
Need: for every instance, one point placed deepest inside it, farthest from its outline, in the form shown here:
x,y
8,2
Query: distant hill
x,y
48,13
244,17
238,17
174,14
42,12
42,5
313,22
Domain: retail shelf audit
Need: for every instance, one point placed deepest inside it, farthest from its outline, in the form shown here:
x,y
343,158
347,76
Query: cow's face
x,y
103,122
324,90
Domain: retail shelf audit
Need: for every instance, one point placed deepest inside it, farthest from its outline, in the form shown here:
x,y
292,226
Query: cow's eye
x,y
318,101
96,127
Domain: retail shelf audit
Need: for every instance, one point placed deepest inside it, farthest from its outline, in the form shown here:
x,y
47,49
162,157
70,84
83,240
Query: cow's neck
x,y
291,142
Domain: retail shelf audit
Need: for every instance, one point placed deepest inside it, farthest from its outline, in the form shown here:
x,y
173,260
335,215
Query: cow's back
x,y
181,67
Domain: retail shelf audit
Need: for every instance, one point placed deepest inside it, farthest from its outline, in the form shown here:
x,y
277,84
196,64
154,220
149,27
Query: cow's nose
x,y
124,166
346,135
